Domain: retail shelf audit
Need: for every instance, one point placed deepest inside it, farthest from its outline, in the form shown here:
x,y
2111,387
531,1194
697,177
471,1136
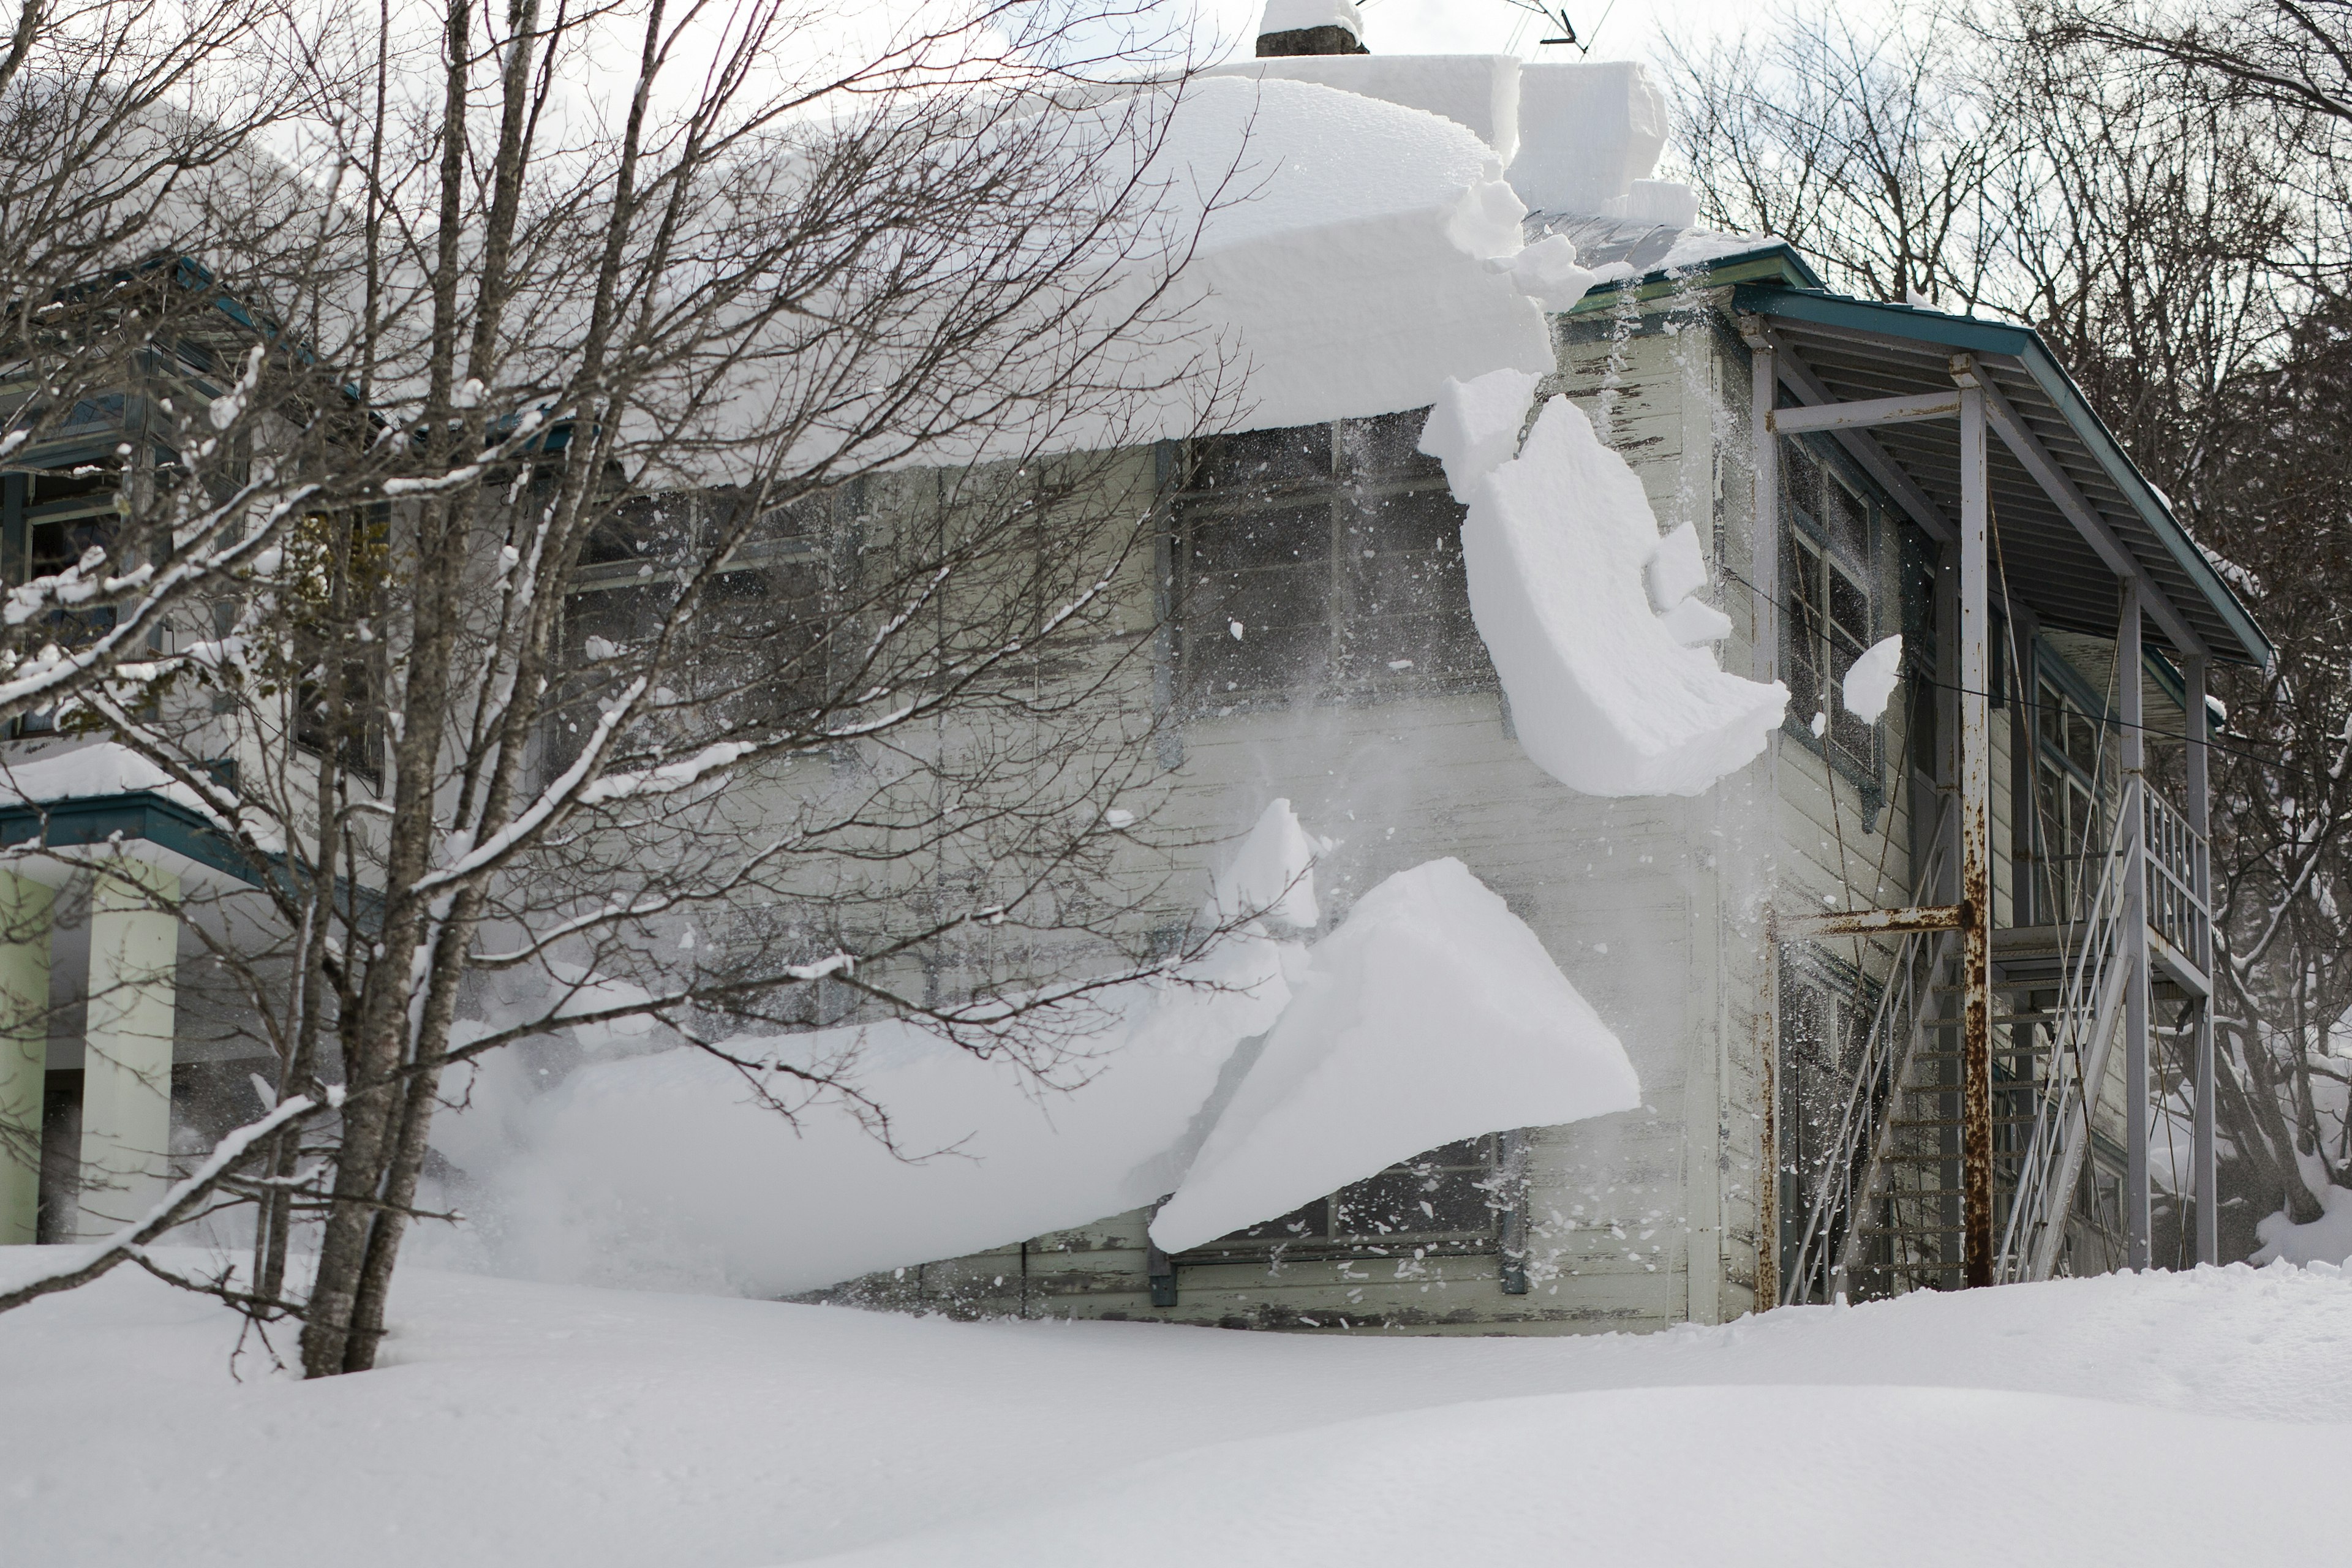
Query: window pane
x,y
1263,459
1387,447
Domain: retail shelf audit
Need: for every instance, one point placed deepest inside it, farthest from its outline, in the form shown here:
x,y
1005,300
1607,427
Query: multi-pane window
x,y
1446,1202
2072,766
1826,577
1320,563
1825,1013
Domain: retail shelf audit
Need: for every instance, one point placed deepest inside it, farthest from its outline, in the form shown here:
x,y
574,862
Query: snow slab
x,y
1676,569
1604,696
1432,1013
1588,129
663,1170
1870,680
2154,1419
1474,426
1479,92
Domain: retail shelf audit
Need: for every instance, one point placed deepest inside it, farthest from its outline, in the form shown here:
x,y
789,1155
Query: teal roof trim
x,y
1968,334
136,815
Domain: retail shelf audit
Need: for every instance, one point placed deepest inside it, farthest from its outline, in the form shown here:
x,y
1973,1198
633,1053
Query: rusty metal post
x,y
2201,811
1976,843
1764,570
2138,1250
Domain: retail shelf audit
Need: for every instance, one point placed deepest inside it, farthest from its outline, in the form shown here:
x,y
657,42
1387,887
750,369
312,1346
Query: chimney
x,y
1310,28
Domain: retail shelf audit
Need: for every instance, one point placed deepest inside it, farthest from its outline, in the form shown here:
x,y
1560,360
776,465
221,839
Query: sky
x,y
1616,29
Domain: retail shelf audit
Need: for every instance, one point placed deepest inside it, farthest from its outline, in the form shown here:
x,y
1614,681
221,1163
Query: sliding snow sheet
x,y
1604,697
1433,1015
662,1171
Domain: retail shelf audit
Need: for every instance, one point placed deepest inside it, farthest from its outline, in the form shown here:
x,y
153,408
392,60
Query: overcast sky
x,y
1624,30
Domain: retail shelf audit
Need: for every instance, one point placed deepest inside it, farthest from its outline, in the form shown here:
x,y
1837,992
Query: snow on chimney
x,y
1310,28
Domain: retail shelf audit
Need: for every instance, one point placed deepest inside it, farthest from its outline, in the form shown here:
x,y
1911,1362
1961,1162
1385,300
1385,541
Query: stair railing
x,y
2090,1002
1885,1054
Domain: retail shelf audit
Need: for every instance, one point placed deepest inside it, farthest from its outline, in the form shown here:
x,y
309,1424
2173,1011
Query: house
x,y
1887,988
1890,988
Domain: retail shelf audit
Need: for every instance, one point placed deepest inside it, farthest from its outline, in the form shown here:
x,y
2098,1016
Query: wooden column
x,y
24,1051
2133,749
1975,812
126,1096
2201,813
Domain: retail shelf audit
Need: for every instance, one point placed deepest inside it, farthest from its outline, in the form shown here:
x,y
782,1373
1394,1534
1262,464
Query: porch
x,y
2024,996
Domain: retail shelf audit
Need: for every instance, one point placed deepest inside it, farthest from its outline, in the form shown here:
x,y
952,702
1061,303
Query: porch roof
x,y
2071,514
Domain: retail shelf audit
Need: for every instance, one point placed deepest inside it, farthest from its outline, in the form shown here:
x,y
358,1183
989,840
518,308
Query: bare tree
x,y
714,593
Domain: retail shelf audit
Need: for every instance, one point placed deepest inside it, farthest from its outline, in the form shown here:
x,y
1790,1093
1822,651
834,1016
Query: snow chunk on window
x,y
1872,677
1474,426
1605,697
1272,877
1433,1014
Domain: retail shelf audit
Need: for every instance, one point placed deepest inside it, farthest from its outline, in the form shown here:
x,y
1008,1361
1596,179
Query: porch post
x,y
1764,568
24,1051
2138,1249
126,1097
1976,848
2200,809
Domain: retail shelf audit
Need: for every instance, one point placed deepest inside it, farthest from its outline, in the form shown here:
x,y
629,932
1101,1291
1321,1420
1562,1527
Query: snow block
x,y
1694,621
1604,697
1872,679
1587,132
1479,92
1474,426
1677,568
1273,876
1433,1015
1548,273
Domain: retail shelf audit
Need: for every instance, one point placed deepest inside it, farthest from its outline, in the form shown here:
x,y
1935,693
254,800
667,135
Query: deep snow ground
x,y
2169,1418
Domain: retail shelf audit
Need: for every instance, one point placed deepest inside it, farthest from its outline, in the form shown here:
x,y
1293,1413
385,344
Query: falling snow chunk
x,y
1474,426
1872,679
1273,875
1433,1015
1604,696
1676,569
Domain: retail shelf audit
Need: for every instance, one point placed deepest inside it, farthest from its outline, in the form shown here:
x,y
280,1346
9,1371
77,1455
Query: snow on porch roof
x,y
2062,552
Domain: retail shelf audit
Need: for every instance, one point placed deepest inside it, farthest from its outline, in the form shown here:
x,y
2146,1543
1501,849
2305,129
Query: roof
x,y
1860,348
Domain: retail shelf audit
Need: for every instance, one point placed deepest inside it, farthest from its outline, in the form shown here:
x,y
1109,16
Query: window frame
x,y
1864,566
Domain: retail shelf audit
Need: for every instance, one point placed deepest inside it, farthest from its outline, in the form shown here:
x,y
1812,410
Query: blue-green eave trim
x,y
1968,334
1765,266
140,815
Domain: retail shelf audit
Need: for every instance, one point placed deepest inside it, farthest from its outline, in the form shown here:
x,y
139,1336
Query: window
x,y
2074,767
1447,1202
1826,577
1320,564
756,648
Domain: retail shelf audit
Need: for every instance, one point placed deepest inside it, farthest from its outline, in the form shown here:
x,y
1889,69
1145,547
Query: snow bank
x,y
536,1423
1872,679
1433,1015
1559,547
2328,1239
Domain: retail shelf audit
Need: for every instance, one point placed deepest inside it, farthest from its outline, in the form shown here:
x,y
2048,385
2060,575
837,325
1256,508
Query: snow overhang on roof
x,y
2074,513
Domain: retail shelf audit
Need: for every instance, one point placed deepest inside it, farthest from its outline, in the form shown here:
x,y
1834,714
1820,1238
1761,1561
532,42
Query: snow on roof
x,y
1431,1015
45,772
1605,695
1479,92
